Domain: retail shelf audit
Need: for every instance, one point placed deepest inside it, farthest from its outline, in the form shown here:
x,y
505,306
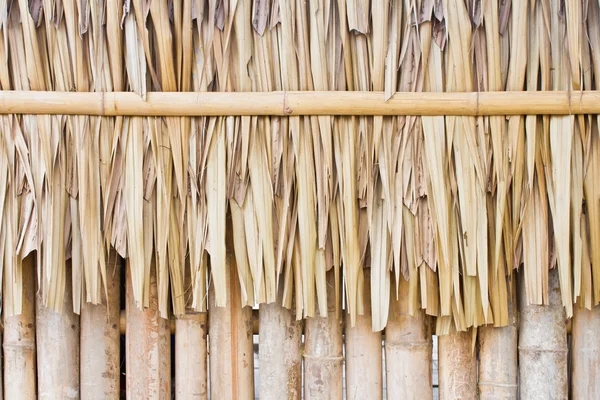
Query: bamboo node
x,y
324,358
286,109
407,344
538,349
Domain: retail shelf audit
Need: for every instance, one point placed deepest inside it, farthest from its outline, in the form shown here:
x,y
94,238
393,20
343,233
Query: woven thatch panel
x,y
454,204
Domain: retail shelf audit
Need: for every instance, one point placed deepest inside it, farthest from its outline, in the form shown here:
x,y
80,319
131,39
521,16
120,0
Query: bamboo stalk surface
x,y
280,103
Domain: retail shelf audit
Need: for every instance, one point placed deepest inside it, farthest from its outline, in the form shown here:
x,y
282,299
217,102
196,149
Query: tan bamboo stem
x,y
190,352
147,347
57,341
585,354
543,346
100,339
230,338
190,356
299,103
280,353
498,361
364,376
323,352
457,366
585,358
19,342
408,346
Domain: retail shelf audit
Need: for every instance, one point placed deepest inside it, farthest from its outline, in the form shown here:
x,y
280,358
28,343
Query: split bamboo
x,y
543,345
280,354
147,346
277,103
190,356
19,342
323,357
57,342
408,346
363,353
498,361
230,342
457,366
585,354
100,339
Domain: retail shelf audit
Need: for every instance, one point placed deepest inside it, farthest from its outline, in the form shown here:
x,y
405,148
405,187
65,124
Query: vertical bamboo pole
x,y
57,340
190,352
280,355
408,346
543,345
323,352
101,340
363,352
190,356
457,366
19,342
498,361
147,346
585,358
230,339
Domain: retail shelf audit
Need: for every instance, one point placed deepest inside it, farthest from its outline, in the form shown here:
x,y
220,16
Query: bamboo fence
x,y
358,170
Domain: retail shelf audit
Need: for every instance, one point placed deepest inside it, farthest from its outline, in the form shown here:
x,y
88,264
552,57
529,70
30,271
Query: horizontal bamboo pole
x,y
299,103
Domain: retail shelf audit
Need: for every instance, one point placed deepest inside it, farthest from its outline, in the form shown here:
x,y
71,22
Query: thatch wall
x,y
452,204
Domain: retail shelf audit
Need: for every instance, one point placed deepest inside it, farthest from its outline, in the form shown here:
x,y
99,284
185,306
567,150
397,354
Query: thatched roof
x,y
452,204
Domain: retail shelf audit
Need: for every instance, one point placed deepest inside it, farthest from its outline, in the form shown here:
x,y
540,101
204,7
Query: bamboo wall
x,y
116,351
344,230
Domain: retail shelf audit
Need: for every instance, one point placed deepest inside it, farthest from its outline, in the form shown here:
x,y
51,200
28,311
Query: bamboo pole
x,y
57,341
230,341
190,356
543,345
147,346
191,330
280,355
363,352
300,103
585,354
408,346
498,361
457,366
101,340
323,352
19,342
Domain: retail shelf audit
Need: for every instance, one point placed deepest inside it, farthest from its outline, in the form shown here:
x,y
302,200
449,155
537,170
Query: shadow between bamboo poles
x,y
363,352
230,341
408,349
190,350
100,339
57,340
147,346
280,354
543,345
498,360
585,354
323,357
19,341
457,365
